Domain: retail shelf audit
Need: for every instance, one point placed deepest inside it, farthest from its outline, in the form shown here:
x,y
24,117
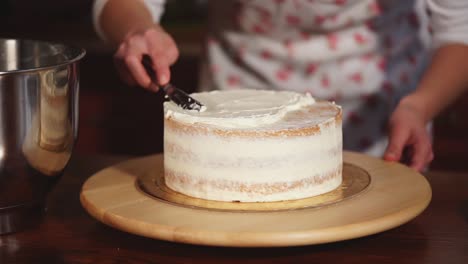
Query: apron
x,y
363,54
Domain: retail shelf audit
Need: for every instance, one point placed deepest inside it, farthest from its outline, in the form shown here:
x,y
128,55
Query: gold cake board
x,y
375,196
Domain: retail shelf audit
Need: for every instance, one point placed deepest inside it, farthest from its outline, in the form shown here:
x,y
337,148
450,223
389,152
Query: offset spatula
x,y
176,95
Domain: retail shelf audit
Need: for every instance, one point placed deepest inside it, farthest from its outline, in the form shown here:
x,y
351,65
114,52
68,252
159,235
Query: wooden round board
x,y
396,194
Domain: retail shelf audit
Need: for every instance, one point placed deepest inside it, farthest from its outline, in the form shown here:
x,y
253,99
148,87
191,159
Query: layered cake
x,y
253,146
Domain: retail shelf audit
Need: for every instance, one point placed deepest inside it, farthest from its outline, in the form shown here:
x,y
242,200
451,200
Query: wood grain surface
x,y
396,194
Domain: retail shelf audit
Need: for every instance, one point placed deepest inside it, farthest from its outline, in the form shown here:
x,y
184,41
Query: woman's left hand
x,y
408,128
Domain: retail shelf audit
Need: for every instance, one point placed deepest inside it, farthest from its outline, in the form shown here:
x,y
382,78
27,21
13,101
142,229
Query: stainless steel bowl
x,y
39,86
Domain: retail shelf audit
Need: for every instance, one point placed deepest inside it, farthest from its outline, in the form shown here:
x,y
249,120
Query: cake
x,y
253,146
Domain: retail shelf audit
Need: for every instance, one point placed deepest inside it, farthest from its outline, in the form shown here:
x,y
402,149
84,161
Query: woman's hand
x,y
155,42
408,129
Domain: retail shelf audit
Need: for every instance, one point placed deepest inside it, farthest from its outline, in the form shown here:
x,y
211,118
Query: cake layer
x,y
239,191
297,156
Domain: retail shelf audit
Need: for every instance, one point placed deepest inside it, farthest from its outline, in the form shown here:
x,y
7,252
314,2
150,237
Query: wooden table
x,y
69,235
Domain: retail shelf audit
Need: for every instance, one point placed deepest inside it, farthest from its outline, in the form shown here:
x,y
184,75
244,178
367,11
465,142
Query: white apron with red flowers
x,y
362,54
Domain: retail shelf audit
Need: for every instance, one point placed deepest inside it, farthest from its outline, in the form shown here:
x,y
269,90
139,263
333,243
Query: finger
x,y
162,46
422,149
163,73
398,139
169,52
120,51
430,157
138,72
172,54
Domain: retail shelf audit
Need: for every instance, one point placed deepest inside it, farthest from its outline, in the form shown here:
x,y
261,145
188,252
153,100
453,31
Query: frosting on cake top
x,y
244,108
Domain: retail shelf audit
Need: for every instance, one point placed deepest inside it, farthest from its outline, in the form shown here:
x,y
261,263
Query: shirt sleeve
x,y
155,7
449,21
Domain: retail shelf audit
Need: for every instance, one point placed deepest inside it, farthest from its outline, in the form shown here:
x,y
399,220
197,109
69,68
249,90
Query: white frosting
x,y
240,108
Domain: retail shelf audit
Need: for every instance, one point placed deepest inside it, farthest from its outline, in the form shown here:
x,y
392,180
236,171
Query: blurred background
x,y
122,120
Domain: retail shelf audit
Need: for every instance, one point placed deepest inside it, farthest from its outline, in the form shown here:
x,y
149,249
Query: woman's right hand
x,y
155,42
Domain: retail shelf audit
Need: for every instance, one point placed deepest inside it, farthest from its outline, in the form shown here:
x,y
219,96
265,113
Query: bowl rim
x,y
78,54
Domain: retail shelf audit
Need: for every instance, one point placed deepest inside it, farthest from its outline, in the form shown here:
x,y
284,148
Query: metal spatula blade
x,y
181,98
178,96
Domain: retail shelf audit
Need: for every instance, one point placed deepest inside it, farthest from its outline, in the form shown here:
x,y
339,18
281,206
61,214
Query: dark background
x,y
116,119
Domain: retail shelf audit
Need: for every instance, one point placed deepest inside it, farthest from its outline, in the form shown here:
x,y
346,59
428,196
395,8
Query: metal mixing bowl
x,y
39,85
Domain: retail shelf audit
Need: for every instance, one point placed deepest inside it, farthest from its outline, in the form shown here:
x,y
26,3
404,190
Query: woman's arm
x,y
132,26
119,18
445,80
